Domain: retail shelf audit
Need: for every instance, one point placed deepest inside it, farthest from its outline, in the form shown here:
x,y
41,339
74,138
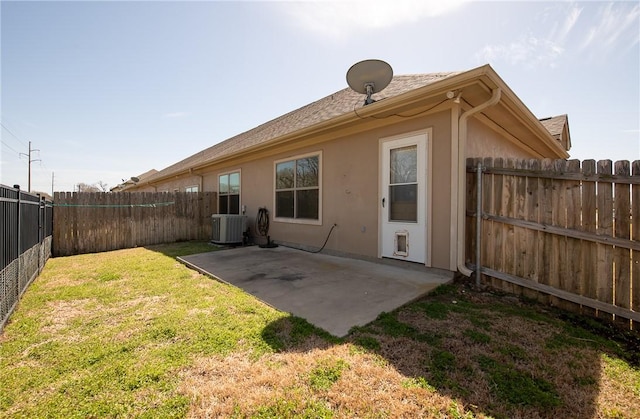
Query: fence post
x,y
42,209
478,222
18,244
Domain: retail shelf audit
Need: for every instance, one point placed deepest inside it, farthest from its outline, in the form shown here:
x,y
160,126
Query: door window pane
x,y
404,165
404,203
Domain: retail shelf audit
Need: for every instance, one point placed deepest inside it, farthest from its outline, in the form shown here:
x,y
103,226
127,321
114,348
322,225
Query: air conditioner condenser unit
x,y
228,228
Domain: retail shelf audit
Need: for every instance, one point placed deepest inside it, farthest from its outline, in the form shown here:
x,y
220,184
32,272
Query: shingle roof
x,y
130,182
555,125
334,105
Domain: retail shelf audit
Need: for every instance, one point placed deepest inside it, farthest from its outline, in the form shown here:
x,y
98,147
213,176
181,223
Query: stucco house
x,y
389,175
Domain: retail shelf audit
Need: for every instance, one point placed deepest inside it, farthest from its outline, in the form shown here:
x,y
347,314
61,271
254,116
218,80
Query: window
x,y
298,188
191,189
403,184
229,193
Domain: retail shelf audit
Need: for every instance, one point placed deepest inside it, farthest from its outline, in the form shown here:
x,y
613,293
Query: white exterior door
x,y
404,198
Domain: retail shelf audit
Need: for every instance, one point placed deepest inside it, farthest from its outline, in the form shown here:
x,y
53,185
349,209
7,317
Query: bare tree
x,y
102,186
85,187
99,186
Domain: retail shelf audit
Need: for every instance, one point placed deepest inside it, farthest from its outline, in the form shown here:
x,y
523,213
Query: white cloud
x,y
528,51
175,114
590,28
615,23
568,24
338,19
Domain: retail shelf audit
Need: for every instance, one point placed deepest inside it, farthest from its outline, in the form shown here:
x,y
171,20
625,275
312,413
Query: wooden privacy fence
x,y
89,222
567,229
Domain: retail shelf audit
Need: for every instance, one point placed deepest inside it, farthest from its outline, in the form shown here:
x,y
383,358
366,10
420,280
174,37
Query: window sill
x,y
304,221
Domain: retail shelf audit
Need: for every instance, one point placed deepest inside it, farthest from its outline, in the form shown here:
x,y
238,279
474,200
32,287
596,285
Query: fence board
x,y
635,234
508,209
498,228
531,214
622,229
575,276
560,191
589,250
605,228
520,244
487,207
547,266
472,192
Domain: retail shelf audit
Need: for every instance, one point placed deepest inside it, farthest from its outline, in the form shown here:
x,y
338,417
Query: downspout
x,y
462,143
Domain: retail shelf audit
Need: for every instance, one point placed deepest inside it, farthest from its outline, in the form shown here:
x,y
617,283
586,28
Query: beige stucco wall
x,y
483,141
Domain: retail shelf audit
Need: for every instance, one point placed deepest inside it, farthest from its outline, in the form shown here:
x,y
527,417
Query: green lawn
x,y
133,333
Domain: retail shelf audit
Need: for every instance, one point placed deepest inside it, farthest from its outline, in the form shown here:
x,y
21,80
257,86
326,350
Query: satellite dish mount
x,y
369,77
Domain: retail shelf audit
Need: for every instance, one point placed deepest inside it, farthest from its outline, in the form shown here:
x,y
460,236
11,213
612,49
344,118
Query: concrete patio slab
x,y
333,293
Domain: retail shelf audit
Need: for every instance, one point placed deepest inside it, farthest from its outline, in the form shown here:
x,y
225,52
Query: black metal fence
x,y
26,226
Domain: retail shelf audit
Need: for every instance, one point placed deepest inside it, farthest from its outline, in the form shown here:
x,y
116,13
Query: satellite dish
x,y
135,179
369,77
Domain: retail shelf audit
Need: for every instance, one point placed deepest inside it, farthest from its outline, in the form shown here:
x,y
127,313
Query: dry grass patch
x,y
338,381
503,357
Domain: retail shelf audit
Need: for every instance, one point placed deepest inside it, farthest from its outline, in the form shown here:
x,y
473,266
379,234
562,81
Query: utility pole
x,y
29,164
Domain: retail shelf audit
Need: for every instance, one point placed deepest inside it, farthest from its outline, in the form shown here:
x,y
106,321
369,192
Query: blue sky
x,y
108,90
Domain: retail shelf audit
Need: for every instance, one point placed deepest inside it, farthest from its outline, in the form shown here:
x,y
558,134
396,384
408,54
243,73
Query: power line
x,y
9,147
13,135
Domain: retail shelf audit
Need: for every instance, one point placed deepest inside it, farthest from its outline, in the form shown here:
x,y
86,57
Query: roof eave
x,y
516,106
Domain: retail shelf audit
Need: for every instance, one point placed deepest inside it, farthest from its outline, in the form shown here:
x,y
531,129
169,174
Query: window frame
x,y
189,189
228,173
307,221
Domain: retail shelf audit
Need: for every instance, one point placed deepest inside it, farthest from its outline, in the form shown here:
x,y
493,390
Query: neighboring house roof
x,y
558,127
147,174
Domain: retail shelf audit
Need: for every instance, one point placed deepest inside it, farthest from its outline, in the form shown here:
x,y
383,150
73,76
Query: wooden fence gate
x,y
567,229
89,222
